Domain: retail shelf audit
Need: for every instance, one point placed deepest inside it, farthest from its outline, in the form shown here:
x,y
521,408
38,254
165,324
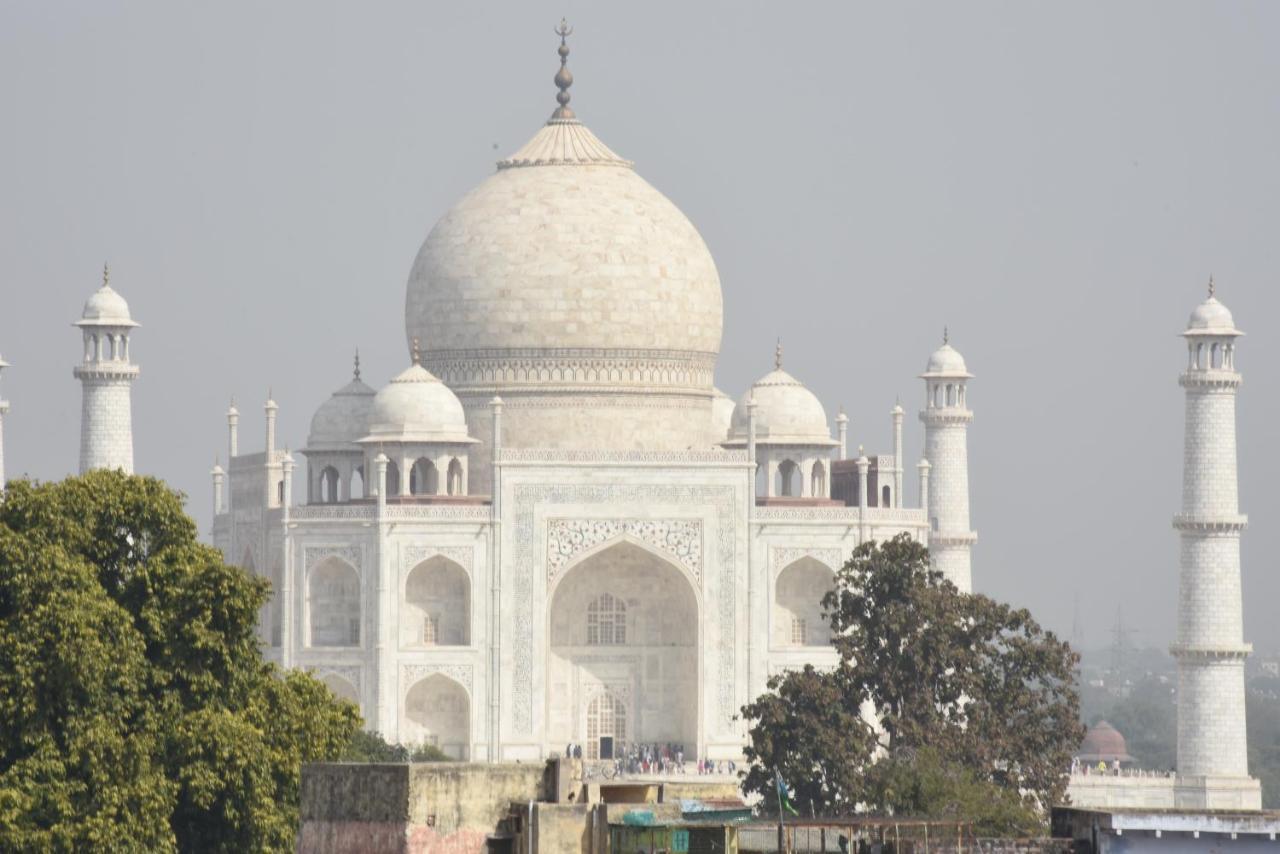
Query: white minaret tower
x,y
106,378
1213,770
4,407
946,418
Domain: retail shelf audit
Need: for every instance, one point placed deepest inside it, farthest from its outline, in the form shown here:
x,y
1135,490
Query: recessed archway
x,y
797,604
341,688
333,603
623,623
437,605
437,711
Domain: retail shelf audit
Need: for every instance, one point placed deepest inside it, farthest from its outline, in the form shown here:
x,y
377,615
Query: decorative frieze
x,y
410,674
679,538
352,555
783,556
542,455
412,555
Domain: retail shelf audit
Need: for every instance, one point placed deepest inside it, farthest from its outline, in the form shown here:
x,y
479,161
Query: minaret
x,y
1213,770
106,377
946,418
4,407
897,415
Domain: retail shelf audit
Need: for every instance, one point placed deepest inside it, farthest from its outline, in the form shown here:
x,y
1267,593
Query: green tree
x,y
974,686
809,731
136,712
370,747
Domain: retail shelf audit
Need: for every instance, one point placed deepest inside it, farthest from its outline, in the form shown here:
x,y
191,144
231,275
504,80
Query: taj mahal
x,y
551,527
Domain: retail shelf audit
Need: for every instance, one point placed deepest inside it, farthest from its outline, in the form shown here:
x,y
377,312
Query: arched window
x,y
423,478
356,490
455,477
333,595
819,480
606,718
328,485
885,496
1215,356
606,621
788,479
393,479
951,395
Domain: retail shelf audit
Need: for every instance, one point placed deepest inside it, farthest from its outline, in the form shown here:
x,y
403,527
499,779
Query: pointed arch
x,y
798,618
333,604
437,711
455,482
437,605
424,478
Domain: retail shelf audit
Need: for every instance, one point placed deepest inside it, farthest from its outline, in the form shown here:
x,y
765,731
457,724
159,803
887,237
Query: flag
x,y
784,796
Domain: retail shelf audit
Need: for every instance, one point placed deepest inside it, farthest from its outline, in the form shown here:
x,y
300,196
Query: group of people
x,y
655,758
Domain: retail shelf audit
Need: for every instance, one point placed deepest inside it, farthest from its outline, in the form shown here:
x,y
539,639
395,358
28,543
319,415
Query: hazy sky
x,y
1054,182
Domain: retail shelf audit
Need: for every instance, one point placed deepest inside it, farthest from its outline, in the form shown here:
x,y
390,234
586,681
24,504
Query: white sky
x,y
1054,182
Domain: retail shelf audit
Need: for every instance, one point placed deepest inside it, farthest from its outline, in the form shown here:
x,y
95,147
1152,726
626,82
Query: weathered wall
x,y
424,808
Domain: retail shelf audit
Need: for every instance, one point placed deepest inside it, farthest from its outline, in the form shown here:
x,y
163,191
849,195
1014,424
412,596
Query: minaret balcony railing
x,y
1212,380
106,371
1210,524
946,416
1221,652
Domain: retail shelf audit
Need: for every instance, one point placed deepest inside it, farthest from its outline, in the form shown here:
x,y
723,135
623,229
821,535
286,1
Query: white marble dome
x,y
416,407
722,407
1211,317
564,247
343,419
787,413
946,361
106,308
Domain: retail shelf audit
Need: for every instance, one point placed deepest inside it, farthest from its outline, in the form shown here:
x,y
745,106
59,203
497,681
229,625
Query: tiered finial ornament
x,y
1211,288
416,354
356,372
946,335
564,77
106,275
777,356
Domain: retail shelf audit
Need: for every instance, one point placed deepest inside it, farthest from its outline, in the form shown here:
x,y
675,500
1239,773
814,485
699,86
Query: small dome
x,y
786,413
416,407
946,361
344,418
106,308
722,407
1211,318
1103,743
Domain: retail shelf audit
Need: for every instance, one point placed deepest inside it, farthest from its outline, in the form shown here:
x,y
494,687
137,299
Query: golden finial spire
x,y
356,372
777,355
1211,287
564,77
417,353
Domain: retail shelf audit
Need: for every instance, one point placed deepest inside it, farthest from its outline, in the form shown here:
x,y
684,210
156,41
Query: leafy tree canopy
x,y
371,747
969,694
136,712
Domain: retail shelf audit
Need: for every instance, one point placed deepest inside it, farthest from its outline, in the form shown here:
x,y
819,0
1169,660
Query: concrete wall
x,y
425,808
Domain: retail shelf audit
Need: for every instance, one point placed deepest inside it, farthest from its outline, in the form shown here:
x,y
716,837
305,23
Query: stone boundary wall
x,y
418,808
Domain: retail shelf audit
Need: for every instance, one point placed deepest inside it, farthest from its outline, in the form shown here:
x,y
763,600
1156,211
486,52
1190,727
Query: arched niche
x,y
437,605
437,711
333,604
647,656
797,604
341,688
